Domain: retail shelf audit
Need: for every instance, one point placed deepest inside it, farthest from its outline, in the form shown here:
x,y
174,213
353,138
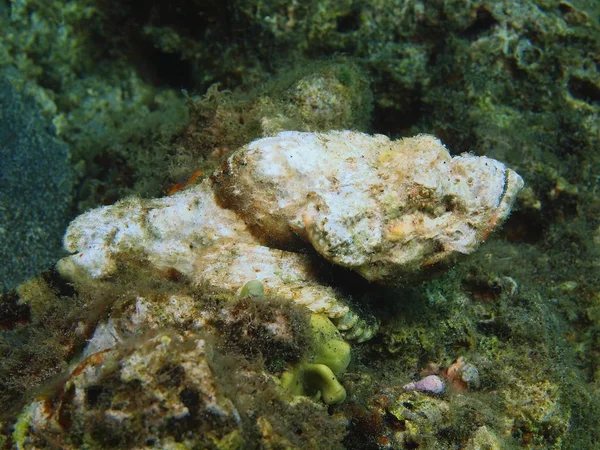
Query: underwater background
x,y
102,100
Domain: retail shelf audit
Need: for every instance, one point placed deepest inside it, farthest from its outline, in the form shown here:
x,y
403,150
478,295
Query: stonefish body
x,y
387,210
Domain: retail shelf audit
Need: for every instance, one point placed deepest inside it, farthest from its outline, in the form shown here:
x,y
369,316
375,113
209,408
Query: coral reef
x,y
512,330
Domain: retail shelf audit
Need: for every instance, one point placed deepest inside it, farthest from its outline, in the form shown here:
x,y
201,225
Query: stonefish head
x,y
386,209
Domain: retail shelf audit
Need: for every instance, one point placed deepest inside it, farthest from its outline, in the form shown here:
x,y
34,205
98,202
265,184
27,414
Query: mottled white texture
x,y
386,209
168,232
230,265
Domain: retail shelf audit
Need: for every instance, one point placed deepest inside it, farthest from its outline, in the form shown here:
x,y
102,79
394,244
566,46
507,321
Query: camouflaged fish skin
x,y
386,209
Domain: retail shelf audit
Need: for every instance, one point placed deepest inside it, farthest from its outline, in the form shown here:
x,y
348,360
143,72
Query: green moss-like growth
x,y
44,323
268,328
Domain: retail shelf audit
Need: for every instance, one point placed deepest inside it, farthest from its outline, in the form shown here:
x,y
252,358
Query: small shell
x,y
432,384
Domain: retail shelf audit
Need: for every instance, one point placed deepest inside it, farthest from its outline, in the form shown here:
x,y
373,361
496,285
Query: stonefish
x,y
388,210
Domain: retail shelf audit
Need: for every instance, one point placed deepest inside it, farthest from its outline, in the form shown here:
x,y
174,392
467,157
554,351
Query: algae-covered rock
x,y
536,414
171,390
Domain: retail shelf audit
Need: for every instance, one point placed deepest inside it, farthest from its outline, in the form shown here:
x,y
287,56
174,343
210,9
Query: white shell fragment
x,y
386,209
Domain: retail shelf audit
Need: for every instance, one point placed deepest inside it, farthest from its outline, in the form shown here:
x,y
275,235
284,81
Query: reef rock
x,y
385,209
172,391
